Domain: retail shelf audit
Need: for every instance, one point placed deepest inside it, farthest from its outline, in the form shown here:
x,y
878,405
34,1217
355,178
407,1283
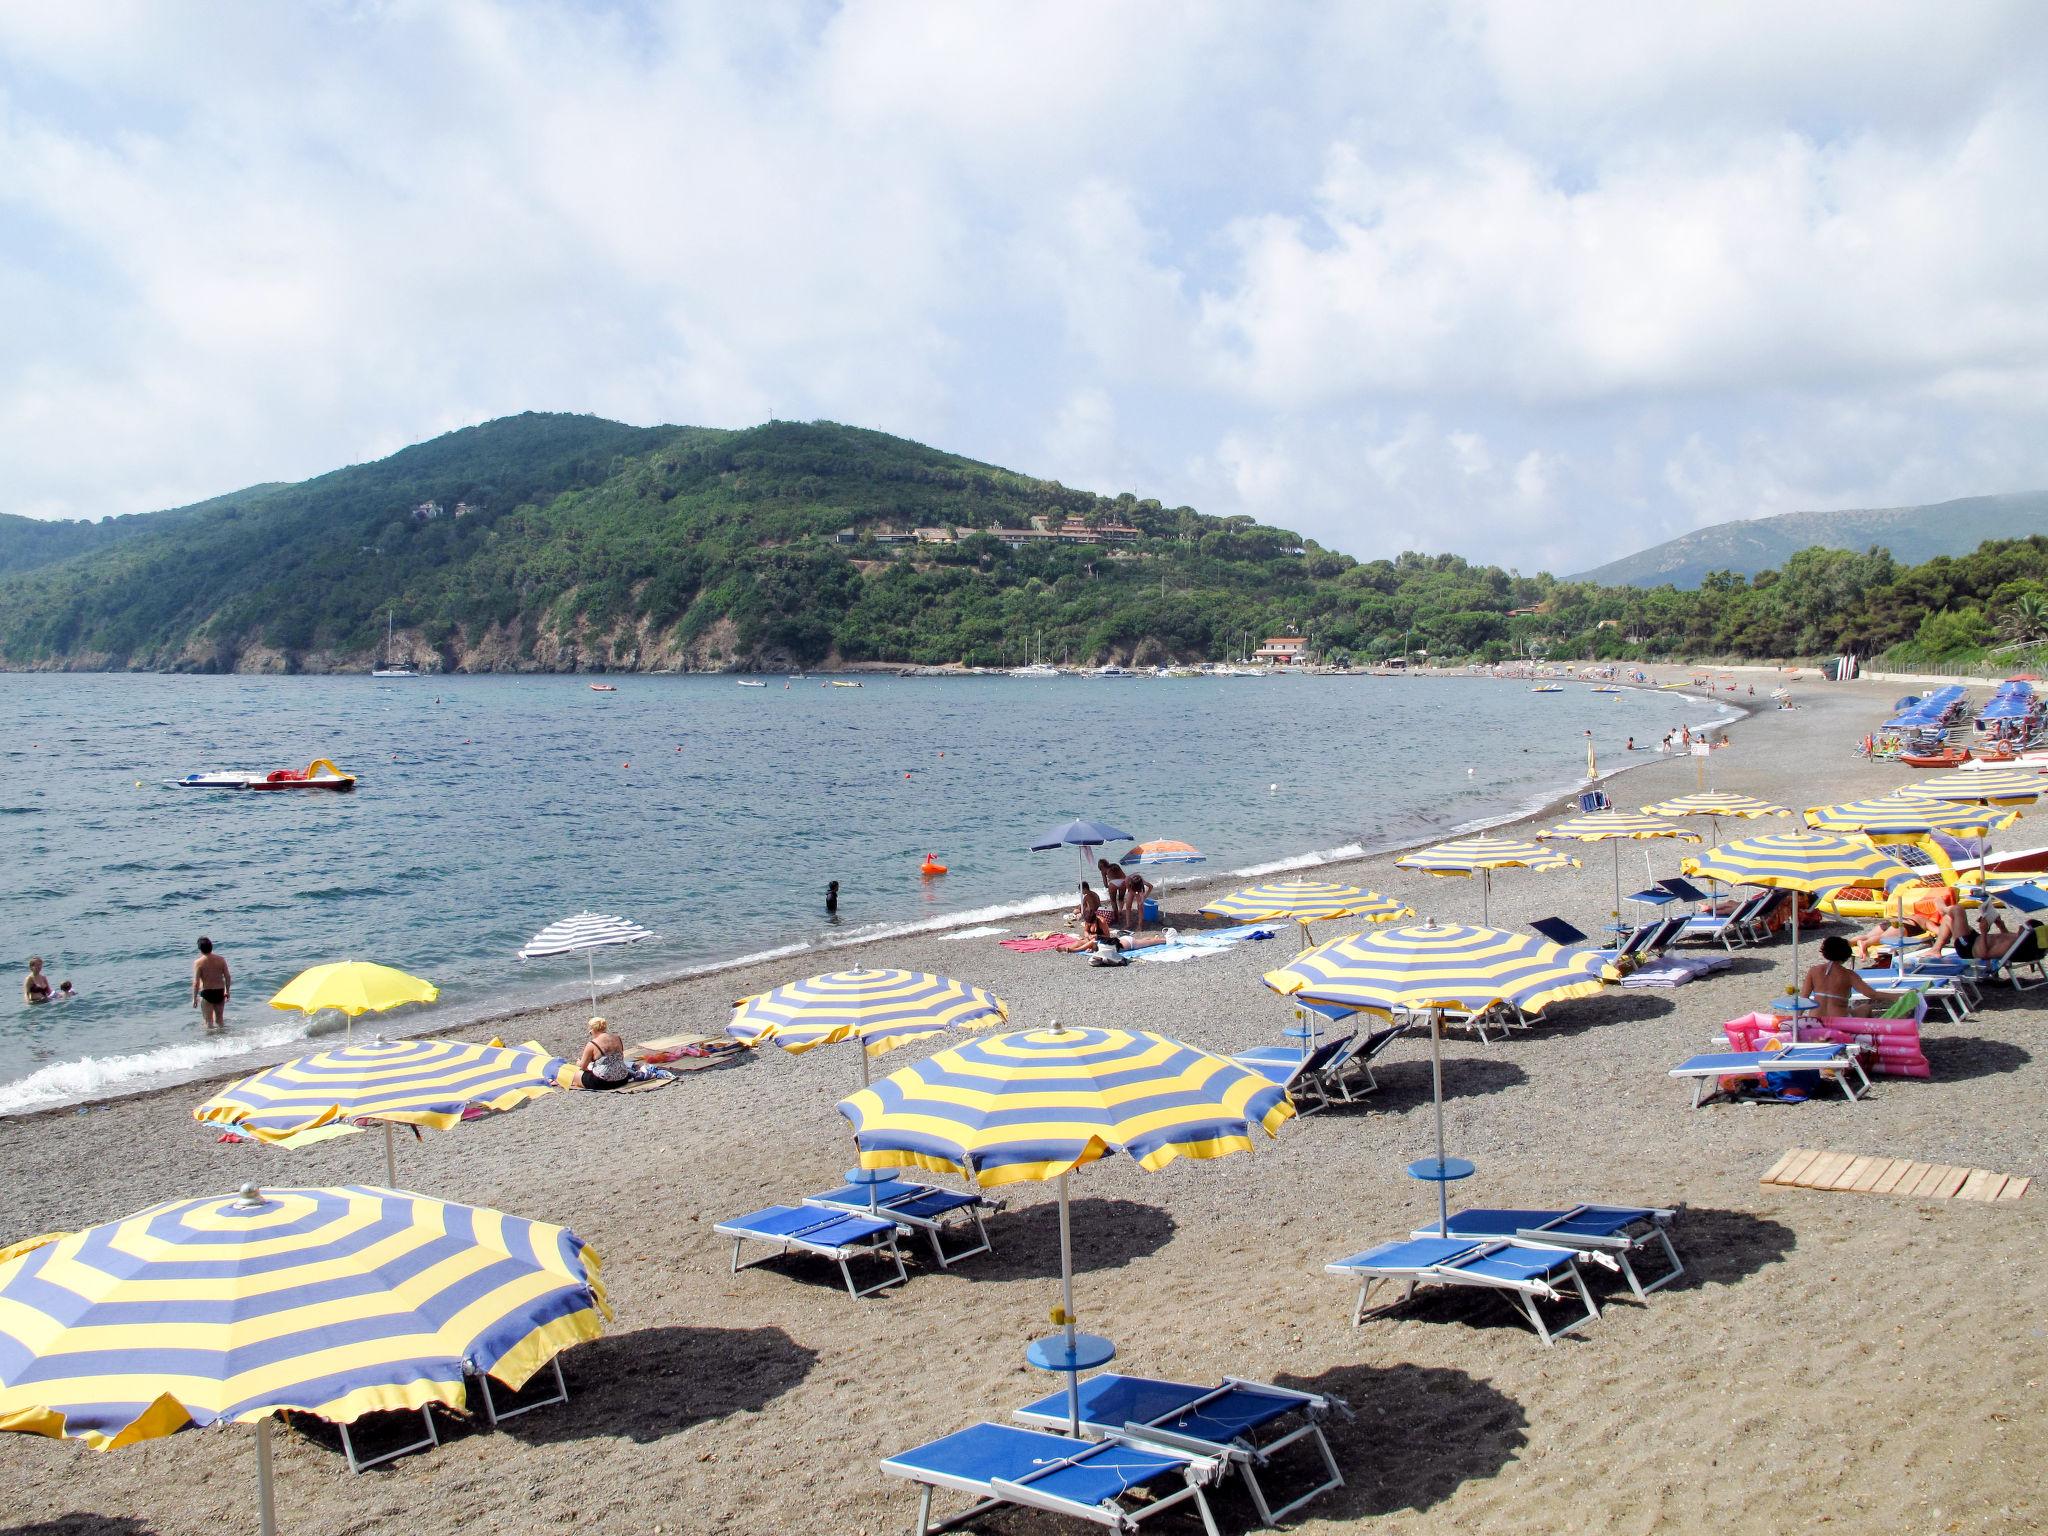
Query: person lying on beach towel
x,y
1033,943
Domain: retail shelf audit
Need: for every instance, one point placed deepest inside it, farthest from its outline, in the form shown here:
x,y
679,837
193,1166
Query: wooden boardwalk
x,y
1804,1169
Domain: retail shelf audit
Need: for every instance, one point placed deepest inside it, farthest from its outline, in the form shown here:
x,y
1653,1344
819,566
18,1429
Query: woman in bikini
x,y
1837,991
603,1062
35,986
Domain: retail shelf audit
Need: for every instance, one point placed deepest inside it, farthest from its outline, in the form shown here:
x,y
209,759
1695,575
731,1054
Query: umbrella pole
x,y
1486,898
1067,1311
1436,1088
1617,882
390,1156
1795,966
266,1498
590,965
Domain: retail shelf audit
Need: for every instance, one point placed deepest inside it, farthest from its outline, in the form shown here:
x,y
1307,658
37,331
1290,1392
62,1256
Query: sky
x,y
1535,284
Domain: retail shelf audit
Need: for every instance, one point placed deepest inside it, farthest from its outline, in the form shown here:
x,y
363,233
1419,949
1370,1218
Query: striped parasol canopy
x,y
1481,856
1812,863
403,1082
1715,802
1616,827
880,1008
1906,815
1419,968
585,934
1164,851
1993,786
1037,1104
1304,902
332,1302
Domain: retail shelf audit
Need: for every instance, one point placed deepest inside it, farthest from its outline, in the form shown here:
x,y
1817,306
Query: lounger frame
x,y
1520,1295
877,1245
1621,1246
1243,1455
899,1210
1756,1063
995,1492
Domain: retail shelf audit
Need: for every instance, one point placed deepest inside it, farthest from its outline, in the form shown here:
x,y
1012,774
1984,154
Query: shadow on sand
x,y
1108,1234
1721,1247
79,1523
1959,1058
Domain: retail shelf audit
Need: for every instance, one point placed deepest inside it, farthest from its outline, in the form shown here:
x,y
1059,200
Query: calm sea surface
x,y
711,813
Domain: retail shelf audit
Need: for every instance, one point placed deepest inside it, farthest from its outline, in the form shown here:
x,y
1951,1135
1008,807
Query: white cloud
x,y
1497,278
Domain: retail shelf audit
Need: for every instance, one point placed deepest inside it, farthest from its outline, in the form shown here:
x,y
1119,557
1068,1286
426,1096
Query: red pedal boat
x,y
318,774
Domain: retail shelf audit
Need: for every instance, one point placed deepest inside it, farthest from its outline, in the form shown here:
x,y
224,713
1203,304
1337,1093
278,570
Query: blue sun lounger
x,y
1300,1075
916,1208
806,1229
1521,1274
1090,1480
1222,1422
1620,1231
1818,1060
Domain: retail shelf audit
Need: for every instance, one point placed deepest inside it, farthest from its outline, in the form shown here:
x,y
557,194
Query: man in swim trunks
x,y
211,984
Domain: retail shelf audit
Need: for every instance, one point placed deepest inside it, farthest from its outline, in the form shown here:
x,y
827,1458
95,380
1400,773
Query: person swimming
x,y
35,986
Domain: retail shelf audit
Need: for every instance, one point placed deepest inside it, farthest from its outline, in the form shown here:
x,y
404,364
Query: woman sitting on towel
x,y
603,1061
1837,991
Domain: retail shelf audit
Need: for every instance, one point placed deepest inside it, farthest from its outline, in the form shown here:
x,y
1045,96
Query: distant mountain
x,y
1912,534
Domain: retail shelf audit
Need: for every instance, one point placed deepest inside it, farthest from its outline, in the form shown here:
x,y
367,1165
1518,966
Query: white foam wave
x,y
100,1077
974,933
972,917
1300,861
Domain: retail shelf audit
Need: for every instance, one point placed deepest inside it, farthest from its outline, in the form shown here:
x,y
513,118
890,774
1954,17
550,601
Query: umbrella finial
x,y
249,1194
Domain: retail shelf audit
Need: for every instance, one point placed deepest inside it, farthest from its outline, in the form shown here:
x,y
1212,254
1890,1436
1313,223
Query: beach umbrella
x,y
1081,834
1903,815
882,1009
353,988
395,1082
1039,1104
1481,856
1426,969
585,933
1165,851
1304,902
1806,863
330,1302
1989,786
1714,804
1616,827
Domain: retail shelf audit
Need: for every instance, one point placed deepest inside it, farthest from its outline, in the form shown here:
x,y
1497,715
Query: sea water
x,y
712,814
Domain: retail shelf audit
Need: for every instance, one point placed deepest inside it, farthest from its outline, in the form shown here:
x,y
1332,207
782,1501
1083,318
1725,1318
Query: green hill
x,y
554,543
1912,534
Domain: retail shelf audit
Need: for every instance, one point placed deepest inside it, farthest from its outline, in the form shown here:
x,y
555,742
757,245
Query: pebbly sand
x,y
1855,1362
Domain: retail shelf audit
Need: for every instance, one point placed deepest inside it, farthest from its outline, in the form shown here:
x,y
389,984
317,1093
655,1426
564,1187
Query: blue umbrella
x,y
1083,835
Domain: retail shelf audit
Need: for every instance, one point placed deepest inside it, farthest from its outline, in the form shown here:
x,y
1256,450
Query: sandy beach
x,y
1856,1362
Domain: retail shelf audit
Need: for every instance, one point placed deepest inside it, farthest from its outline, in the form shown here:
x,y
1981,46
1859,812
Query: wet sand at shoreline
x,y
1865,1362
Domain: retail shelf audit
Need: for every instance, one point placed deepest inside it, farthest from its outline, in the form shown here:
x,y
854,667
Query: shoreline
x,y
936,929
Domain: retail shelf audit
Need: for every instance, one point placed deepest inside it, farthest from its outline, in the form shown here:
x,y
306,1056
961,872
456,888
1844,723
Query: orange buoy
x,y
931,866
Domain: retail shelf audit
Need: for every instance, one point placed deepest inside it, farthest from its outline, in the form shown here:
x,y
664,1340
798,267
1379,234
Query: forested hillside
x,y
549,542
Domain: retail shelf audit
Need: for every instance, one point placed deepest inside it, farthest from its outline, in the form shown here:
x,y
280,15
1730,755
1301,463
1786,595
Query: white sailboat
x,y
385,667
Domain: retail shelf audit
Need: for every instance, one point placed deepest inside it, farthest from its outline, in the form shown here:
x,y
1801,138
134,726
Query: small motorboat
x,y
318,774
604,687
1947,757
842,684
745,683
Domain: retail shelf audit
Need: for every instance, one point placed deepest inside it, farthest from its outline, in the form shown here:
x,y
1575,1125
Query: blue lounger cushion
x,y
1114,1401
918,1200
1593,1221
798,1223
1797,1058
1088,1472
1413,1253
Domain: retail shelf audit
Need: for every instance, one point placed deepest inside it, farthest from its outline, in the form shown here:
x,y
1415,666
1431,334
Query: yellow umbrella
x,y
354,988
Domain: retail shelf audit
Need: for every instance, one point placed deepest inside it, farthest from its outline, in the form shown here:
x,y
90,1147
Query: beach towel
x,y
1676,970
1191,946
1062,943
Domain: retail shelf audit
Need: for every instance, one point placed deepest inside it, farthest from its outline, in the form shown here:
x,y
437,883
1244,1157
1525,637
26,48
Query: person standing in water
x,y
35,986
832,899
211,984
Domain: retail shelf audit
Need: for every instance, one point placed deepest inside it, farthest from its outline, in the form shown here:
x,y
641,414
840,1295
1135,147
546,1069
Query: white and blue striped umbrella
x,y
585,934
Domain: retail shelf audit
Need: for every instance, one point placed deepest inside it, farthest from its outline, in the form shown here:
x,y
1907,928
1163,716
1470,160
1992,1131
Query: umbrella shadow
x,y
1721,1247
1960,1058
1416,1434
655,1382
79,1523
1108,1234
1405,1084
1614,1006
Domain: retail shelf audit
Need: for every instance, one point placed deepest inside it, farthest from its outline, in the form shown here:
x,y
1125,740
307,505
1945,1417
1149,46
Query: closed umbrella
x,y
331,1302
1481,856
395,1082
1039,1104
585,934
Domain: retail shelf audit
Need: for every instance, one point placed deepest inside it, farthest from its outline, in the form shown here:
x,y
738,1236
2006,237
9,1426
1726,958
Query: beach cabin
x,y
1283,650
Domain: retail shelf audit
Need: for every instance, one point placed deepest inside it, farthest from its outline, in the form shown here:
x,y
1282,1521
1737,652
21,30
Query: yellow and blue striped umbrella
x,y
407,1082
1304,901
333,1302
1420,968
1616,827
1037,1104
1809,862
1715,803
1481,856
1907,815
880,1008
1994,786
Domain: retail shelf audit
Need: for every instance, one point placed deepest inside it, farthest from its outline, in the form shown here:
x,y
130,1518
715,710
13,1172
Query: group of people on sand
x,y
1938,920
1115,918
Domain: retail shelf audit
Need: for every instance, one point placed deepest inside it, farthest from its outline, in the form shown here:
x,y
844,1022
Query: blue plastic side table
x,y
1050,1353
